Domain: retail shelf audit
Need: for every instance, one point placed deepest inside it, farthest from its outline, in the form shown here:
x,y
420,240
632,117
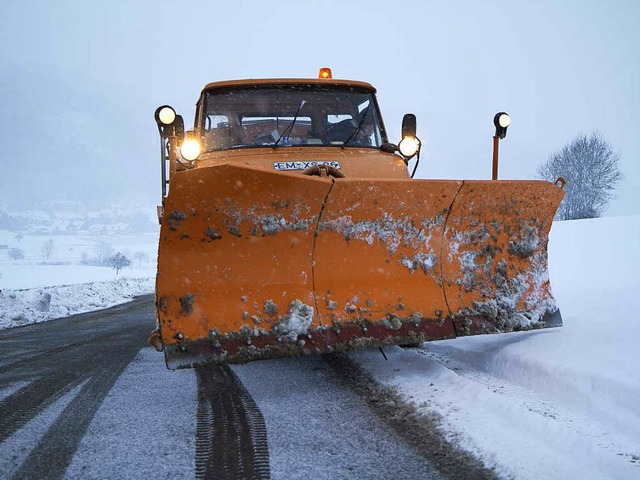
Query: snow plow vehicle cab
x,y
290,225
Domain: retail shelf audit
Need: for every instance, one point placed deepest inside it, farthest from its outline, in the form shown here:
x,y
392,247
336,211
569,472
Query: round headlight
x,y
190,149
167,115
504,120
408,146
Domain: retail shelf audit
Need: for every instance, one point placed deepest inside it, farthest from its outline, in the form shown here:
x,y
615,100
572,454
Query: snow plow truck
x,y
290,225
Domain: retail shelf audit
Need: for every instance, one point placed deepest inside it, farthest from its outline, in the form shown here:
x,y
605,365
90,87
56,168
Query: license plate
x,y
302,165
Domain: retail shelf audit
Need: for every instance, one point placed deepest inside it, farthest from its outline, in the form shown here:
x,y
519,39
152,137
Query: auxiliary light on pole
x,y
501,121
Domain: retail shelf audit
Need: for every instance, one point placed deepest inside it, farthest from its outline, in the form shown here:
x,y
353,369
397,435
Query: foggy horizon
x,y
79,83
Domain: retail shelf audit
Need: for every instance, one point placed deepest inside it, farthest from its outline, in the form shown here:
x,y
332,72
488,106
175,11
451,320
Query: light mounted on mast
x,y
165,115
171,129
501,121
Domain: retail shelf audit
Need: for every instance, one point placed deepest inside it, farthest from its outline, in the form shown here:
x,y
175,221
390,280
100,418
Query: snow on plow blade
x,y
259,264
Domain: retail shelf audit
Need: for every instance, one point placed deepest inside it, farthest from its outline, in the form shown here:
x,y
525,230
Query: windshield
x,y
285,115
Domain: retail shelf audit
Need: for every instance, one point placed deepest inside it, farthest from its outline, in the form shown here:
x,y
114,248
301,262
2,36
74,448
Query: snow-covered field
x,y
556,403
54,277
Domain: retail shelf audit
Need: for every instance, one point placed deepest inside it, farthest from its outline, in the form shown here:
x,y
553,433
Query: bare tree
x,y
590,167
141,257
118,261
104,252
16,253
48,248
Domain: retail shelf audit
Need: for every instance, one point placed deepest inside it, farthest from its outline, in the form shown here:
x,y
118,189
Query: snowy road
x,y
84,397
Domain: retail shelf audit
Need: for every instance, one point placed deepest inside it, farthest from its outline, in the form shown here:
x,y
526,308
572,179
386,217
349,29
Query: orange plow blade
x,y
259,264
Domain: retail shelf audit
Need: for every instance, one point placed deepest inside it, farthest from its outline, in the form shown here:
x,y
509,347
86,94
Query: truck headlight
x,y
190,149
409,146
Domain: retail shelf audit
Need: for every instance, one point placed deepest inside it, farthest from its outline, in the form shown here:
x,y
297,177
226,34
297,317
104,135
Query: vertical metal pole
x,y
496,141
163,159
173,153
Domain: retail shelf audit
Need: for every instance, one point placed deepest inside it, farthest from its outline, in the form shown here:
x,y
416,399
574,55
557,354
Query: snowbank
x,y
21,307
41,284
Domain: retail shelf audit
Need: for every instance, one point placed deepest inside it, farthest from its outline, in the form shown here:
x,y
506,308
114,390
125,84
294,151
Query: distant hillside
x,y
64,218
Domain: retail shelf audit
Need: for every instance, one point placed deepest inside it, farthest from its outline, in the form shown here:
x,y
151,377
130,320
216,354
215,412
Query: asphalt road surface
x,y
85,397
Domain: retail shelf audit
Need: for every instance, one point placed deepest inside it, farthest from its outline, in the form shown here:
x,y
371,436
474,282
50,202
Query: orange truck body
x,y
259,259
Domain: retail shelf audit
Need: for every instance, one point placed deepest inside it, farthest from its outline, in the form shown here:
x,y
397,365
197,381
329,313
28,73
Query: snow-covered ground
x,y
558,403
555,403
54,277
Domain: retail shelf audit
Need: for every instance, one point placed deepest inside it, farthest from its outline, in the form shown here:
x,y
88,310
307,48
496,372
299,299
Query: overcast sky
x,y
559,68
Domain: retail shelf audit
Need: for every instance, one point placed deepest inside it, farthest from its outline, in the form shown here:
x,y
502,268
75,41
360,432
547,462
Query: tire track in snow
x,y
319,428
23,405
92,354
231,437
420,431
53,453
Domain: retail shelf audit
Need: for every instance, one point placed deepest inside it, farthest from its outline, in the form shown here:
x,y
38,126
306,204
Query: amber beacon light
x,y
325,72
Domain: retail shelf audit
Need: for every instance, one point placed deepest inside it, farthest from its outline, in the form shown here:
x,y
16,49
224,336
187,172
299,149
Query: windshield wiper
x,y
287,131
358,128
